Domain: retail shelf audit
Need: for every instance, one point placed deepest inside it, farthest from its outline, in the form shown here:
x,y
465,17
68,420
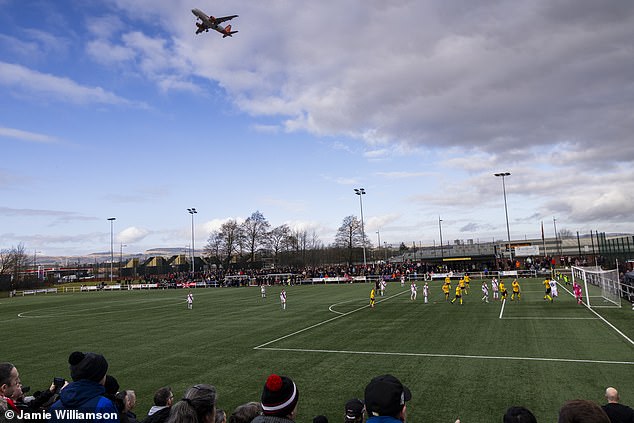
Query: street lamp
x,y
361,192
442,253
508,232
192,211
111,219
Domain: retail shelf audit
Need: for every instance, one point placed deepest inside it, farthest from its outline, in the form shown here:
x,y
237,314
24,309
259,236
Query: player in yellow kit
x,y
515,286
548,290
446,287
372,295
458,294
462,285
503,291
467,279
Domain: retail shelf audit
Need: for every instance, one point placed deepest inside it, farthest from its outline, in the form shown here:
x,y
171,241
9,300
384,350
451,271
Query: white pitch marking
x,y
502,309
601,317
325,321
482,357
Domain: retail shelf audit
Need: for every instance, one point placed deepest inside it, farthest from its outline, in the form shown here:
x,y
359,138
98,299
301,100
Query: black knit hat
x,y
90,366
385,396
279,396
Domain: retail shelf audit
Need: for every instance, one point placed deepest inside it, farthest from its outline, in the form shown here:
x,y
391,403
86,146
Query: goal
x,y
601,287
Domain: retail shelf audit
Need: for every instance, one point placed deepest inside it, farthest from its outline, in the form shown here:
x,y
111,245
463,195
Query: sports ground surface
x,y
470,361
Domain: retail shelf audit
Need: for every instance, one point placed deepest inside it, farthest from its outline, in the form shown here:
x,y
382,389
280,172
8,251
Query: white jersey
x,y
190,298
494,285
425,289
283,296
553,288
485,289
263,291
413,288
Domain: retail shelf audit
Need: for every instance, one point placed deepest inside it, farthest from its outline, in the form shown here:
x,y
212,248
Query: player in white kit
x,y
553,288
283,299
485,292
412,290
263,290
495,289
190,300
383,286
425,291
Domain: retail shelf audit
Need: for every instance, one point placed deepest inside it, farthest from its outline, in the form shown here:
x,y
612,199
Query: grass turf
x,y
458,360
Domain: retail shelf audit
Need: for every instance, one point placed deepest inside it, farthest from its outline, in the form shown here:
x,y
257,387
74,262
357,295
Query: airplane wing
x,y
225,18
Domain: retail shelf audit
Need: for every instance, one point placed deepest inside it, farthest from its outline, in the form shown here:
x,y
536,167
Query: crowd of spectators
x,y
93,396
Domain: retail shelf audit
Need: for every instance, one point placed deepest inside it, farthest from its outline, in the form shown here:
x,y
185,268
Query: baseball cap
x,y
385,396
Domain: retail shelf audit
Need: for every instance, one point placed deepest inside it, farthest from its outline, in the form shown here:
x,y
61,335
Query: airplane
x,y
209,22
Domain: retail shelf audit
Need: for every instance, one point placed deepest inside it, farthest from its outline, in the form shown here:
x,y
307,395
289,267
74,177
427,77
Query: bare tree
x,y
255,230
224,243
349,235
565,233
278,240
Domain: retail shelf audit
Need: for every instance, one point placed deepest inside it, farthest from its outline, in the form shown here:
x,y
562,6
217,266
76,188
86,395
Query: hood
x,y
78,393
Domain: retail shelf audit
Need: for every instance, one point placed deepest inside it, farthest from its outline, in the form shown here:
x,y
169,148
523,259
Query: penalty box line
x,y
614,328
322,323
477,357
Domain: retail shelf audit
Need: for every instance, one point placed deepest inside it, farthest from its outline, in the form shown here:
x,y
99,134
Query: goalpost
x,y
601,287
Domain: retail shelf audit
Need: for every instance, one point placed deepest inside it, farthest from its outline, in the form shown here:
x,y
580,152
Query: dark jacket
x,y
619,413
160,416
79,401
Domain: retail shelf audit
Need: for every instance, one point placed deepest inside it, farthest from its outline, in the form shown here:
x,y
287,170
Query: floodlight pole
x,y
361,192
508,232
442,253
378,234
111,219
556,237
192,211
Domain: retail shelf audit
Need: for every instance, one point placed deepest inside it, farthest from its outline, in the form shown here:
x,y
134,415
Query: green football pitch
x,y
469,361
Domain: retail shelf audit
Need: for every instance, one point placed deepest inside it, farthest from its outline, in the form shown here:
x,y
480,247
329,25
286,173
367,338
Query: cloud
x,y
132,235
26,136
56,88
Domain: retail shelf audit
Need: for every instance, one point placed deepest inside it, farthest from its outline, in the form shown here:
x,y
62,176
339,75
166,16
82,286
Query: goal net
x,y
601,288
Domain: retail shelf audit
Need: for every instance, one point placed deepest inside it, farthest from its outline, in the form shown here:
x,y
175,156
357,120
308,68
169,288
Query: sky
x,y
116,108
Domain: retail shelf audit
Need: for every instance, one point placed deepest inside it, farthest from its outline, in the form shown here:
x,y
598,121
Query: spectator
x,y
582,411
221,416
279,400
10,386
86,393
519,415
245,413
160,411
385,398
355,411
125,402
198,405
112,387
618,413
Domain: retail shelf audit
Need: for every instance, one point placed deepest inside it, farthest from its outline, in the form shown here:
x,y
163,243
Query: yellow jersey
x,y
516,286
458,290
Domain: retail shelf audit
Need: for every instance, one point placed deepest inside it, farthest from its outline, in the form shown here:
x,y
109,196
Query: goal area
x,y
601,288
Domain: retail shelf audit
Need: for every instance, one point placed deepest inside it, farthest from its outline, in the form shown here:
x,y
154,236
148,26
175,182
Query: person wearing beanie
x,y
279,400
84,400
355,411
385,398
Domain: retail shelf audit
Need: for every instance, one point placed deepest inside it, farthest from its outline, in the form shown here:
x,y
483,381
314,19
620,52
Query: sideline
x,y
479,357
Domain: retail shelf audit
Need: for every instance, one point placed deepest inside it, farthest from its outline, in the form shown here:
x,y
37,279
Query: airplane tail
x,y
228,32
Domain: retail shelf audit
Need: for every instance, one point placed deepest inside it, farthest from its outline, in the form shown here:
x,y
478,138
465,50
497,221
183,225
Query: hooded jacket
x,y
83,401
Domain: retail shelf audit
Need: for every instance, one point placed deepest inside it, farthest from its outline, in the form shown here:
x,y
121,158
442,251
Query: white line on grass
x,y
325,321
481,357
502,309
549,318
601,317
